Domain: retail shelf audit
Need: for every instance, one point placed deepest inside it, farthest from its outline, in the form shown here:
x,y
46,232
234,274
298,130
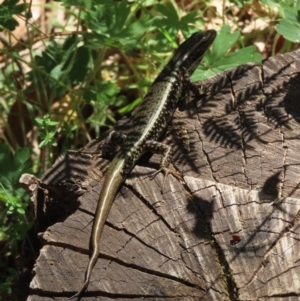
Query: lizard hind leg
x,y
166,151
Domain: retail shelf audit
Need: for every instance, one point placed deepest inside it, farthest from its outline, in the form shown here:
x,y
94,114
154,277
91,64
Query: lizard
x,y
150,121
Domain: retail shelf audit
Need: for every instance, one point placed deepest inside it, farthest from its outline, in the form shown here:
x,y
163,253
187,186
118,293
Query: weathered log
x,y
231,232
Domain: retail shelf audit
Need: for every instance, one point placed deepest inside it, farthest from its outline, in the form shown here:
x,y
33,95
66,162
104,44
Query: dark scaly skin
x,y
149,123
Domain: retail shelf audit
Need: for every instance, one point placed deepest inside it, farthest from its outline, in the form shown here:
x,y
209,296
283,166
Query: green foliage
x,y
103,96
128,27
140,36
283,5
9,8
216,60
113,24
289,26
170,20
289,23
13,203
47,131
60,66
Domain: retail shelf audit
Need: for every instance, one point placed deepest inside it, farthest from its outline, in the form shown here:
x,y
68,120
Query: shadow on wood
x,y
241,178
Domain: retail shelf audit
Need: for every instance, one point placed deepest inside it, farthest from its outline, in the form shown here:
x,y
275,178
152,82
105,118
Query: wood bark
x,y
230,232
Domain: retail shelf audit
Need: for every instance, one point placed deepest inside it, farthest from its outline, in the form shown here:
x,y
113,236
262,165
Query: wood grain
x,y
241,177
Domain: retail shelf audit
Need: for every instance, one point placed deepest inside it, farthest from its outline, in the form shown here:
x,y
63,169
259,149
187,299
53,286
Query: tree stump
x,y
230,232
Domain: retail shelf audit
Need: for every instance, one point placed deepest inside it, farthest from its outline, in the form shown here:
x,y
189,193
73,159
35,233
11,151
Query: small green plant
x,y
13,203
47,131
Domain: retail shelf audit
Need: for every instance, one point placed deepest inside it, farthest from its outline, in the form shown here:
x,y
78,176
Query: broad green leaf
x,y
289,26
289,31
169,12
240,57
22,155
80,64
223,42
121,14
8,23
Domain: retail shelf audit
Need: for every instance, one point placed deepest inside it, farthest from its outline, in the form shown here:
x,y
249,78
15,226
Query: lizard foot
x,y
166,172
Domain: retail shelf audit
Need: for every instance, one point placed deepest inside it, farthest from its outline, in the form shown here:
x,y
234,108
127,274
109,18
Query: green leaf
x,y
57,72
8,8
21,210
94,40
289,26
113,25
121,14
80,63
20,163
169,12
107,92
240,57
223,42
216,62
9,24
11,168
190,18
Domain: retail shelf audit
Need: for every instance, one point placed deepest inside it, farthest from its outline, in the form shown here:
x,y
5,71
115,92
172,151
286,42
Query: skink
x,y
149,123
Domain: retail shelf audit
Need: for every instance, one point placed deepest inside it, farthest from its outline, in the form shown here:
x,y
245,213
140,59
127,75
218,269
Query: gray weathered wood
x,y
241,176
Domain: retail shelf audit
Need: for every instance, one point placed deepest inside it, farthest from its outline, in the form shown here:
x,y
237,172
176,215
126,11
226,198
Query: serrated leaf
x,y
169,12
223,42
240,57
138,28
186,20
18,9
8,8
122,12
94,40
80,63
9,24
106,92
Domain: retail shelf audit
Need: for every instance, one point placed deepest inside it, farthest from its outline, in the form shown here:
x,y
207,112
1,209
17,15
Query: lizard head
x,y
190,53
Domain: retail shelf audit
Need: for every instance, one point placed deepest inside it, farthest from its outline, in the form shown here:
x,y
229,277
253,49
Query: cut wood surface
x,y
229,232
